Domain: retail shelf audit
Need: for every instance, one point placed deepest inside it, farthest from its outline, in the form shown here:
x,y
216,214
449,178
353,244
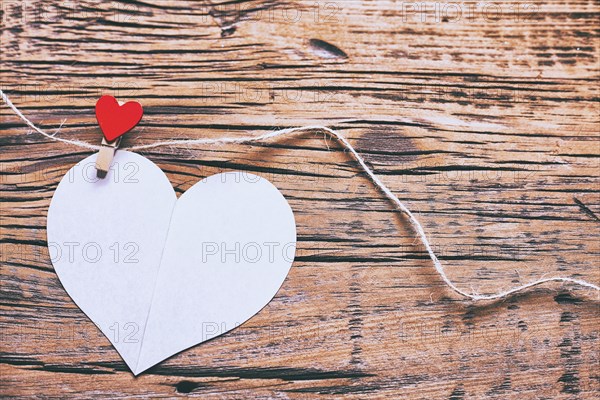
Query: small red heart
x,y
116,120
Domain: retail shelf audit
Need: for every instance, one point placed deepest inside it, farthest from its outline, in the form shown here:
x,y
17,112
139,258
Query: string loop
x,y
414,222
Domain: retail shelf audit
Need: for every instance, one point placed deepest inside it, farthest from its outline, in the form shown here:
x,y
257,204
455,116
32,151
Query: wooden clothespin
x,y
105,156
115,120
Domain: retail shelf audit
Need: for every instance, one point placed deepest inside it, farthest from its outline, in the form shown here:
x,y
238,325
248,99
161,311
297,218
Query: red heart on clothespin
x,y
114,119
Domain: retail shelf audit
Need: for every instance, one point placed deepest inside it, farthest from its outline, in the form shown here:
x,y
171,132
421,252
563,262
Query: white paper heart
x,y
158,275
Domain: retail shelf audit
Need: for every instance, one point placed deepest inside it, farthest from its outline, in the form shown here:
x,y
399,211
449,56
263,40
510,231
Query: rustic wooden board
x,y
483,117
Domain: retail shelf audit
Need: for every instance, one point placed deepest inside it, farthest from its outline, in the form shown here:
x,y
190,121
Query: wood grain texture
x,y
483,117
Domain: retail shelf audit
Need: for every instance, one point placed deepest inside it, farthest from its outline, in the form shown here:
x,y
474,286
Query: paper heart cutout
x,y
159,274
116,120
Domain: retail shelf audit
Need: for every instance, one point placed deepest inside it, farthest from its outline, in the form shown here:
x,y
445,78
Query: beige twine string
x,y
372,177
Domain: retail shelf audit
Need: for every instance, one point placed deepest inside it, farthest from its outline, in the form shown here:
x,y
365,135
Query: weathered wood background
x,y
482,117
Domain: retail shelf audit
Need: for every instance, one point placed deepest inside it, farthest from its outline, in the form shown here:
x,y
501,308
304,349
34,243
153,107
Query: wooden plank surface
x,y
482,117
